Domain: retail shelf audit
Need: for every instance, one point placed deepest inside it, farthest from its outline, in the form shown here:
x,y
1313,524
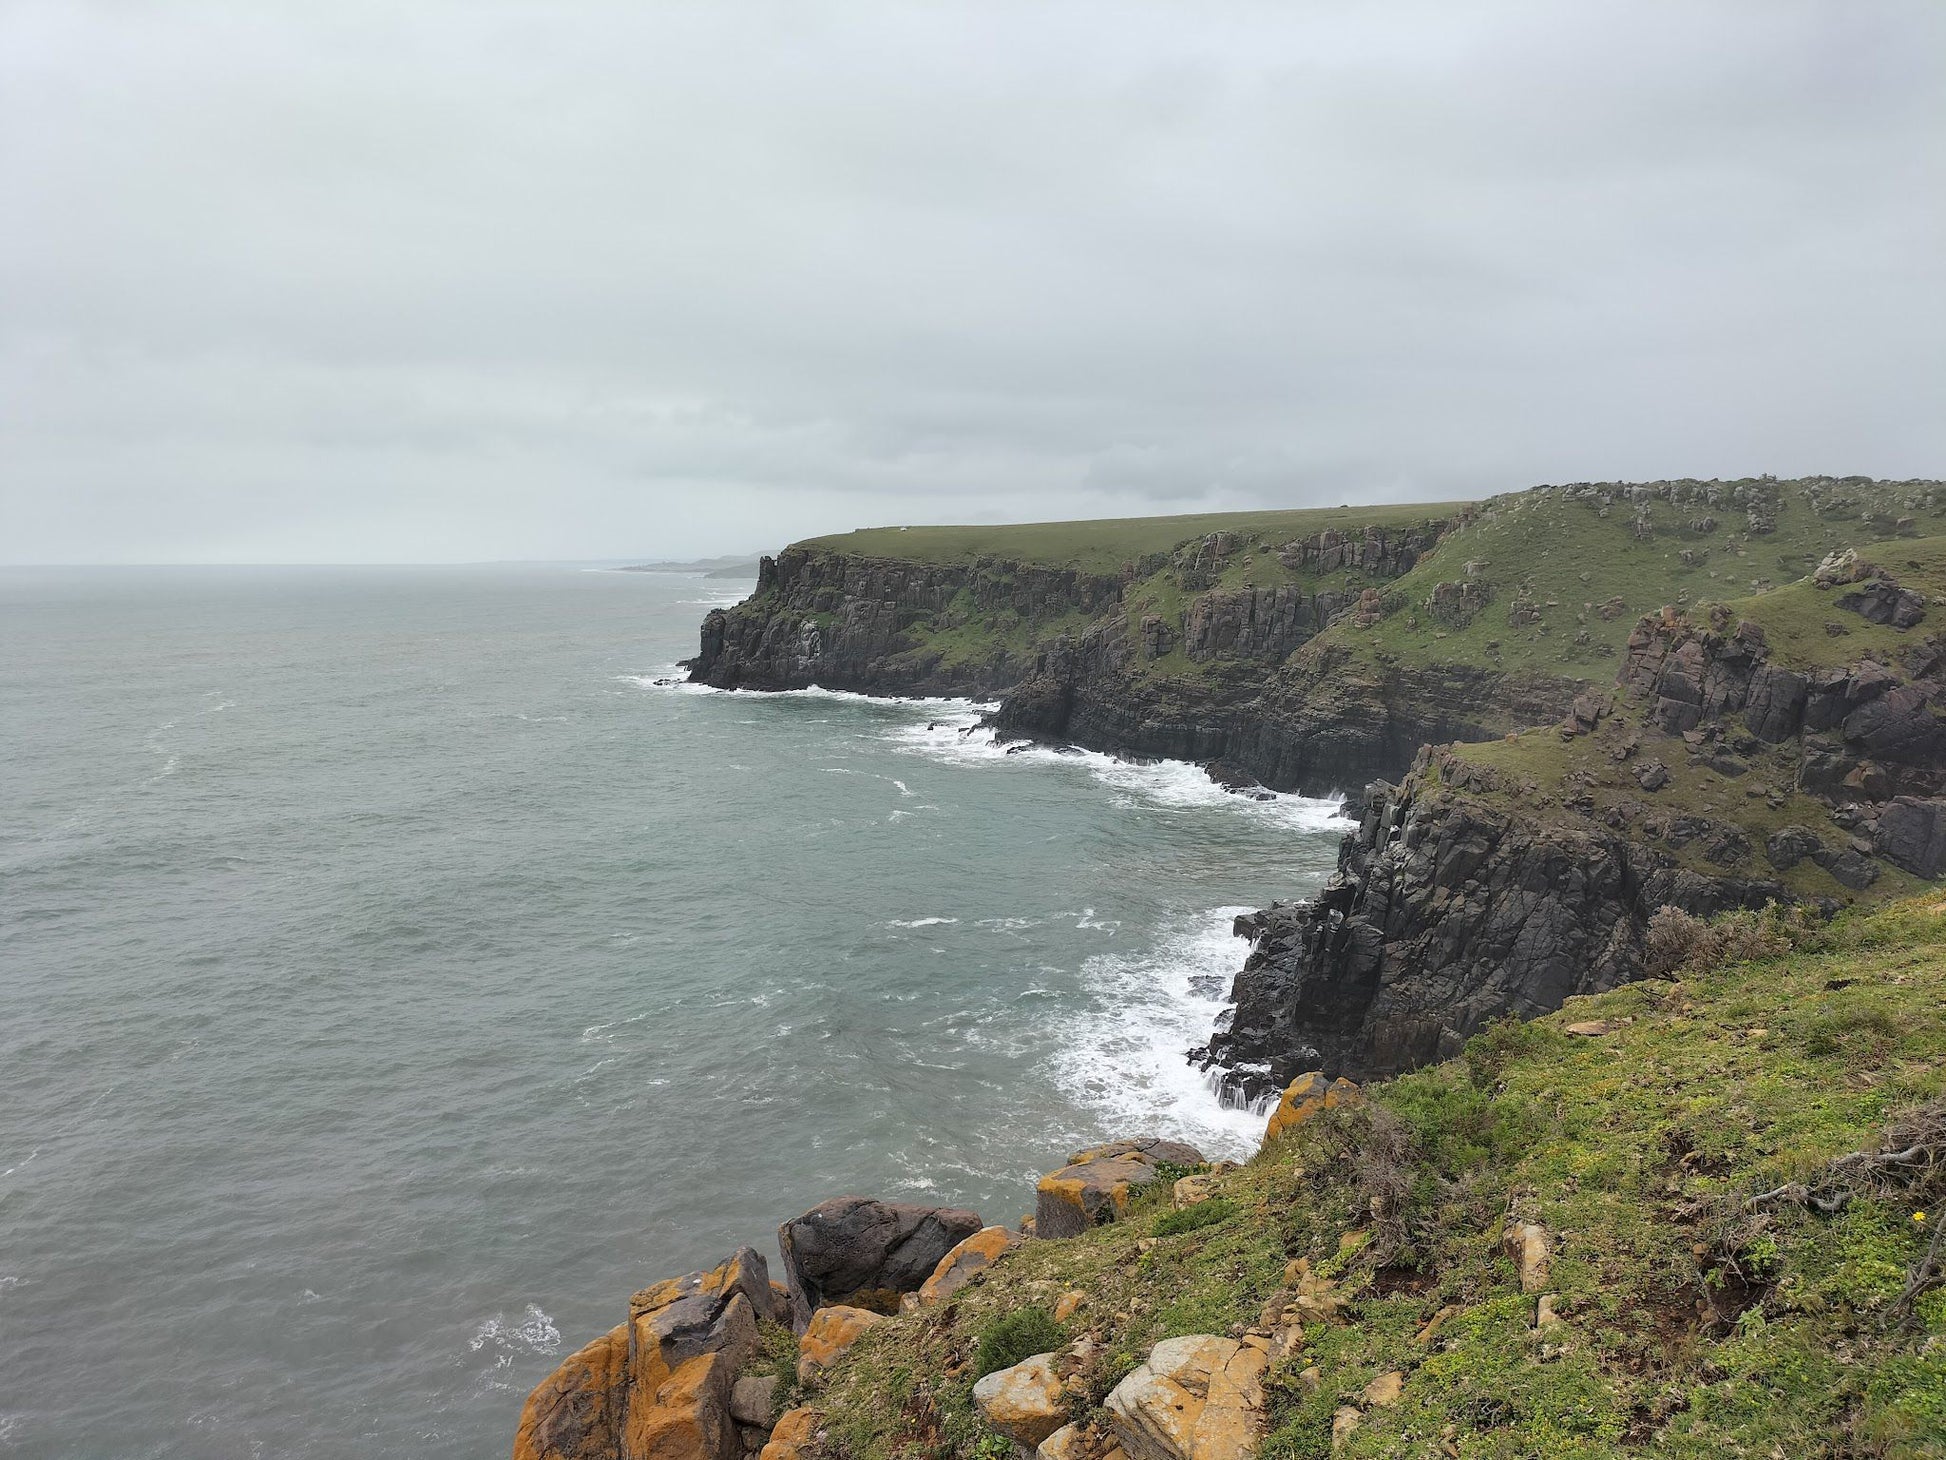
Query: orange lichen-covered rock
x,y
576,1412
690,1416
1095,1187
956,1267
1026,1403
794,1436
657,1387
831,1332
1308,1096
1199,1397
1526,1244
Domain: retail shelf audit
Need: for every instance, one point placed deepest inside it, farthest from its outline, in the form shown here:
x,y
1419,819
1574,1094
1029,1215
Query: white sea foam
x,y
532,1332
716,598
919,922
1124,1055
1165,784
671,679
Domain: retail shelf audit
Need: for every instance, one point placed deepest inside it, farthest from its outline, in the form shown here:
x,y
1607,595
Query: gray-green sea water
x,y
393,976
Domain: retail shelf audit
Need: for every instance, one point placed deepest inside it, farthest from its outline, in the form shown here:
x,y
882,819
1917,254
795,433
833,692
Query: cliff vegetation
x,y
1695,1216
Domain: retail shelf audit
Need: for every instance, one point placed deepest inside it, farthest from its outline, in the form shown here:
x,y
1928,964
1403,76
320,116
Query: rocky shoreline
x,y
1465,895
704,1366
1270,702
1469,891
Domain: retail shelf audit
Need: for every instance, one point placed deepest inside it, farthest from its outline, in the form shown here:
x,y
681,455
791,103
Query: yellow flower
x,y
1918,1216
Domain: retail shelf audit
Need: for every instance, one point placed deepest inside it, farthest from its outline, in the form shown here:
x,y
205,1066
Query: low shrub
x,y
1015,1336
1677,940
1188,1219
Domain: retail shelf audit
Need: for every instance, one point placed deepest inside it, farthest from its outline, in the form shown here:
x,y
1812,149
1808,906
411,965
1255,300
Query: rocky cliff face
x,y
1268,698
1457,900
1318,723
1070,655
882,626
1444,915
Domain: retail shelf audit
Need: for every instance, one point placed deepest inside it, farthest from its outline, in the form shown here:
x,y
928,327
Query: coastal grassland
x,y
1578,782
1695,1321
1795,617
1581,577
1104,545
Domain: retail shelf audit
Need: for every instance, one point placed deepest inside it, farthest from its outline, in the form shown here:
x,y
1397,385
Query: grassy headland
x,y
1726,1277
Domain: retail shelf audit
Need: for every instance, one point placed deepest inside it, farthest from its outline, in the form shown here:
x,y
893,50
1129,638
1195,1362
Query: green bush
x,y
1015,1336
1188,1219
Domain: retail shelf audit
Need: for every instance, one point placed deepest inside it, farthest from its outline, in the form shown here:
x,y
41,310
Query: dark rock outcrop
x,y
1444,916
1317,723
867,623
1911,833
1867,731
1447,912
863,1253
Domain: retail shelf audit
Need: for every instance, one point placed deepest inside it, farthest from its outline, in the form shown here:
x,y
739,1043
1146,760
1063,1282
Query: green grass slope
x,y
1584,779
1586,566
1104,545
1730,1278
1565,570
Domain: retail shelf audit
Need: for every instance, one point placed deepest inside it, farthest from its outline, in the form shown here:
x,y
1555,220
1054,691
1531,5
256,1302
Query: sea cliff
x,y
1646,1224
1684,1213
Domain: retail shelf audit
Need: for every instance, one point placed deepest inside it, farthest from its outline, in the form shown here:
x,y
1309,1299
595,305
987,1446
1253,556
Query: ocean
x,y
396,971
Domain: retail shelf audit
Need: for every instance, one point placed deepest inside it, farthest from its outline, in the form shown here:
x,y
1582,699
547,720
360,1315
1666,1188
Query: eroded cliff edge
x,y
1738,680
1733,765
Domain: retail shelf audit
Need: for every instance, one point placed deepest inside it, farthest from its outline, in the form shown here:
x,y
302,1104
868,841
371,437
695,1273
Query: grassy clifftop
x,y
1566,571
1593,777
1541,582
1104,545
1732,1268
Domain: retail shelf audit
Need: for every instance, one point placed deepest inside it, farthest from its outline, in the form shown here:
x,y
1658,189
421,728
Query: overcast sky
x,y
464,279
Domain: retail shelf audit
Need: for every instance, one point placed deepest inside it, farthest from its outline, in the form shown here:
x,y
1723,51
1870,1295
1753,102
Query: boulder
x,y
1842,565
830,1332
1384,1391
1191,1190
1066,1443
1898,725
575,1413
1526,1244
753,1400
1095,1186
864,1253
1911,833
1850,867
958,1266
1789,845
657,1387
792,1439
1068,1304
1308,1096
1195,1398
1884,602
1026,1403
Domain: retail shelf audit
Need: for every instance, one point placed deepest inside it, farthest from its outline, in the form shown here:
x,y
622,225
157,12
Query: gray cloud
x,y
470,279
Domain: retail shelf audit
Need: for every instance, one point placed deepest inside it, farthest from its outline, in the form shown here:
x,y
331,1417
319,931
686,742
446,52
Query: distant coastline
x,y
725,567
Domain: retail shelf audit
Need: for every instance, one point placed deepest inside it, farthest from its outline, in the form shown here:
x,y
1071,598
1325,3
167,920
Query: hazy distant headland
x,y
728,567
